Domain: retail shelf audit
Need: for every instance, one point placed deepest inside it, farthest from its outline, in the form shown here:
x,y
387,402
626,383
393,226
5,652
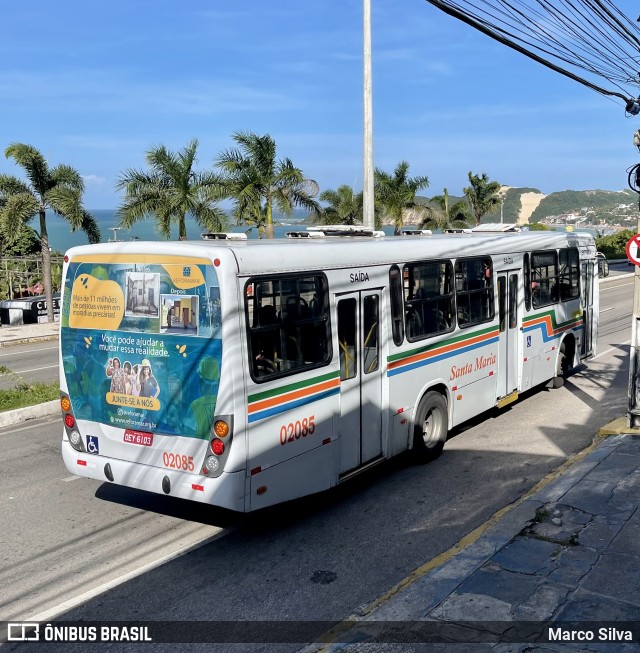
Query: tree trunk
x,y
399,223
182,235
268,225
46,264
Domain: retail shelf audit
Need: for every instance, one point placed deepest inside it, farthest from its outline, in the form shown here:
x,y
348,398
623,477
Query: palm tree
x,y
446,215
58,189
396,193
345,206
482,195
169,190
257,182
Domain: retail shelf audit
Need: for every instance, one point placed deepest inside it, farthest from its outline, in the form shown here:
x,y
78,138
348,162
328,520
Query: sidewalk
x,y
26,333
569,551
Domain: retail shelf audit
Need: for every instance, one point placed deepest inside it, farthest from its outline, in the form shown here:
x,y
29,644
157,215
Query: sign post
x,y
633,413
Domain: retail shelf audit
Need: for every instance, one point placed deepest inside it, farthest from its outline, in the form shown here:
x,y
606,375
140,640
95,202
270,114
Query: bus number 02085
x,y
177,461
295,430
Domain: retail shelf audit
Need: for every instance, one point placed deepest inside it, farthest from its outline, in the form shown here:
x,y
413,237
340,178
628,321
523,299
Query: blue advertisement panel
x,y
140,342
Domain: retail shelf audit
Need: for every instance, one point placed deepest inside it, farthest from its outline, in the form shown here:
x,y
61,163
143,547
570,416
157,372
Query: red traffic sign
x,y
633,246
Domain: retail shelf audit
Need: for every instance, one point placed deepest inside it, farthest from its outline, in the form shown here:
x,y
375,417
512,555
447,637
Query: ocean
x,y
62,238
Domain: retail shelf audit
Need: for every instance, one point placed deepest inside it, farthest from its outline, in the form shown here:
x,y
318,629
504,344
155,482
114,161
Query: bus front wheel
x,y
563,365
431,427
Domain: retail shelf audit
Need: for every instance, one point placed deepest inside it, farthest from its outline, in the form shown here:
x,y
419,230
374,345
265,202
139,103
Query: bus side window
x,y
395,294
527,282
544,278
428,299
569,274
288,321
474,291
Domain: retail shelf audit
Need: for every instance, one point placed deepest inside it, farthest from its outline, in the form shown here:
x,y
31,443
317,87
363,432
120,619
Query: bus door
x,y
509,332
360,428
587,272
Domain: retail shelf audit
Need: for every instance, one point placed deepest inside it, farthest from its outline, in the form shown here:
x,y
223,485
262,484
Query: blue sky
x,y
94,85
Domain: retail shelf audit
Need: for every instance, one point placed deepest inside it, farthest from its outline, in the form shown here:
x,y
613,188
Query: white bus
x,y
247,373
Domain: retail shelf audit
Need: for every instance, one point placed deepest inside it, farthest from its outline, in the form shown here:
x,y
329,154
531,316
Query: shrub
x,y
614,246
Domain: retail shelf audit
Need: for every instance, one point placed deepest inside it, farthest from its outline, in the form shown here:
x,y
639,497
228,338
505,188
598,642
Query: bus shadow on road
x,y
192,511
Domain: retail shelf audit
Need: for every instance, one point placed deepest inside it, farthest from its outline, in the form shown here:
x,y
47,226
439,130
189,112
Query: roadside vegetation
x,y
250,174
614,246
58,189
24,393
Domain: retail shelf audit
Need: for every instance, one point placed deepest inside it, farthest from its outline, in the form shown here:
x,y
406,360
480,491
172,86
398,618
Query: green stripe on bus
x,y
293,386
441,343
552,315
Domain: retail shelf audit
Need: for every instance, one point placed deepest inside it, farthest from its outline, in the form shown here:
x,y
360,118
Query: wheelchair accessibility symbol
x,y
92,444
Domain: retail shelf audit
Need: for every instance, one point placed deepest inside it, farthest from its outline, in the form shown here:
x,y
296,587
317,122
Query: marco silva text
x,y
603,634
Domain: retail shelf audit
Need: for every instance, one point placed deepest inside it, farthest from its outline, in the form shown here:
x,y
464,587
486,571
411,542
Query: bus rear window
x,y
288,323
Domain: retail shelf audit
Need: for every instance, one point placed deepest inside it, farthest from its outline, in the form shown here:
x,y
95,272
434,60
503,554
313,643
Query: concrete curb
x,y
19,415
26,341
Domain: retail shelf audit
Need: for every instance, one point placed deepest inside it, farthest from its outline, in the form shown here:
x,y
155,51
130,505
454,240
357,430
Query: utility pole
x,y
367,168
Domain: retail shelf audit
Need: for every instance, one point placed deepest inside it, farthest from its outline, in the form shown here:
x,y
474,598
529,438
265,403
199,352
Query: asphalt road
x,y
36,361
315,558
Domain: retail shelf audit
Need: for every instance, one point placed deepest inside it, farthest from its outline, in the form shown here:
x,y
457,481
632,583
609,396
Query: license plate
x,y
138,437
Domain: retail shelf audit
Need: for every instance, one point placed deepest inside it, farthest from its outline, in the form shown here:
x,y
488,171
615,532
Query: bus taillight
x,y
221,428
217,446
70,424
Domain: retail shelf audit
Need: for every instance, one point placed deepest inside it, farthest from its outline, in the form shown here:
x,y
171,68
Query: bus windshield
x,y
140,342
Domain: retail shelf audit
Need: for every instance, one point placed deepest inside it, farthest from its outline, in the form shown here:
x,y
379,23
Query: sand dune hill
x,y
528,204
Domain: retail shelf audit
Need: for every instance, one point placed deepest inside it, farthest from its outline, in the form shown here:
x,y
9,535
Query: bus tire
x,y
431,427
563,366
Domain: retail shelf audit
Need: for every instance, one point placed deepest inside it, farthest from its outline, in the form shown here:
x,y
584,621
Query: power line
x,y
584,40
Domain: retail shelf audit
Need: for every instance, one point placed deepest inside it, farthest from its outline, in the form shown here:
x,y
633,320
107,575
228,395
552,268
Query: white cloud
x,y
94,180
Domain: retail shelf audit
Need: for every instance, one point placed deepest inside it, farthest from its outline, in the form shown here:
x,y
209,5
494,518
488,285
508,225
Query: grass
x,y
24,393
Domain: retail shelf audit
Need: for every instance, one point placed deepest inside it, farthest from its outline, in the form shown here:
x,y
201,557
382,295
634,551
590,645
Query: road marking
x,y
28,351
70,478
76,601
604,310
622,285
607,351
35,369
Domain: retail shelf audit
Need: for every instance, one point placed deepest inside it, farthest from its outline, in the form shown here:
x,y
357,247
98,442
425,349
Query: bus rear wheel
x,y
431,427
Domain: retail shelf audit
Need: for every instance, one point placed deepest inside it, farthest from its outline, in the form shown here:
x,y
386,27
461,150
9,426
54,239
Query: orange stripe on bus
x,y
546,320
296,394
442,350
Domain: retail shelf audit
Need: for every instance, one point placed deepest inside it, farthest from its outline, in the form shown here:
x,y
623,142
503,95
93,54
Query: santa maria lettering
x,y
480,363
